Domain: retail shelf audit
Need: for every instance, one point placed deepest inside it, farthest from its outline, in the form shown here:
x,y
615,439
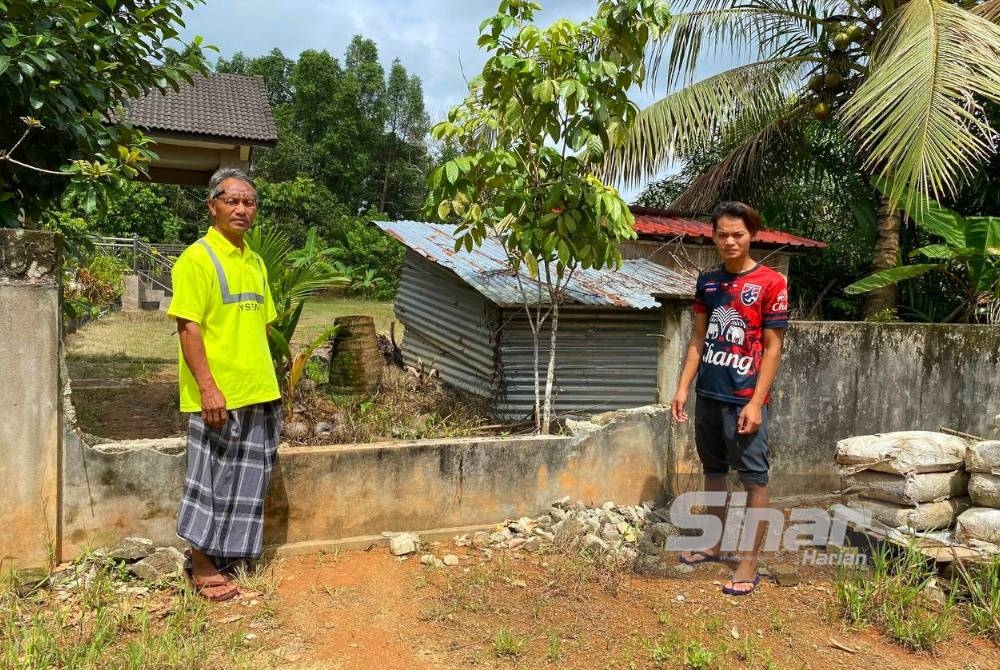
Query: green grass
x,y
99,628
891,595
319,314
119,339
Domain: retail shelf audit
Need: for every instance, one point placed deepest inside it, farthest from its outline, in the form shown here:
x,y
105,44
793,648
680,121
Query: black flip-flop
x,y
736,592
705,558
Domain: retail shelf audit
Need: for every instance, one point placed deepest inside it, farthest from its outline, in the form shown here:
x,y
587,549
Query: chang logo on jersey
x,y
726,325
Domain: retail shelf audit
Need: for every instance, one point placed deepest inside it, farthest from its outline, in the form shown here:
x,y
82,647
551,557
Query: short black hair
x,y
738,210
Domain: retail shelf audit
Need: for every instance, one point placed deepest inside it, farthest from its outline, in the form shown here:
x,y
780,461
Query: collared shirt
x,y
224,290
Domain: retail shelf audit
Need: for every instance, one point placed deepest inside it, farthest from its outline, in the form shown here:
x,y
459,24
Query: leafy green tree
x,y
534,128
895,78
138,208
404,153
294,207
63,65
372,259
275,67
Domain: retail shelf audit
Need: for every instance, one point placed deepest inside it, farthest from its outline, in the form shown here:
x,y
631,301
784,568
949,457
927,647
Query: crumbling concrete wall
x,y
322,494
30,349
843,379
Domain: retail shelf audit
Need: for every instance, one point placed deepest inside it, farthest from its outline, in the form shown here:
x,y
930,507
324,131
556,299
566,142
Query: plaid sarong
x,y
222,509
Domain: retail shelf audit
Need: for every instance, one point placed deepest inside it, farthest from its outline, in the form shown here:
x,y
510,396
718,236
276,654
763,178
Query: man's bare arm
x,y
692,360
213,403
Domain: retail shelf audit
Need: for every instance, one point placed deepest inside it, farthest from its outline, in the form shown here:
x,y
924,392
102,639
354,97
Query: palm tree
x,y
897,80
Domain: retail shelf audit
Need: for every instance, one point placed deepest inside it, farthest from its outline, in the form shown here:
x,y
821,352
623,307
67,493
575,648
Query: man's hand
x,y
213,407
750,419
677,405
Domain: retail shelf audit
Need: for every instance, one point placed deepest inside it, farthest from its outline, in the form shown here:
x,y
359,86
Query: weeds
x,y
664,649
96,627
981,584
554,644
696,656
892,595
506,643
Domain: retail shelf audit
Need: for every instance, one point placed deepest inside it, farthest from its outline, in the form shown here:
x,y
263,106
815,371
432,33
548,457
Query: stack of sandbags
x,y
914,480
981,523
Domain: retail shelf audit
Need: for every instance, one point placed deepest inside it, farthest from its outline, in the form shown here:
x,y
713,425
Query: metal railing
x,y
151,262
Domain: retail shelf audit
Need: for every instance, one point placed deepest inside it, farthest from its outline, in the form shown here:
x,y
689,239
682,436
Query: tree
x,y
64,64
275,68
896,78
404,154
534,128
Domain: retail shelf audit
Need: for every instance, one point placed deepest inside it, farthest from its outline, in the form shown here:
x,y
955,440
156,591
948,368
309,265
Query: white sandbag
x,y
984,490
978,523
908,489
984,457
903,452
925,516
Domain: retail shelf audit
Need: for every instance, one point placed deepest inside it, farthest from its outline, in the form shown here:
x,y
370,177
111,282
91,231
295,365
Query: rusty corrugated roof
x,y
485,269
658,223
231,106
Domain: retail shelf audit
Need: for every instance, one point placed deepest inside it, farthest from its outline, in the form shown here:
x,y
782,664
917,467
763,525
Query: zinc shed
x,y
464,315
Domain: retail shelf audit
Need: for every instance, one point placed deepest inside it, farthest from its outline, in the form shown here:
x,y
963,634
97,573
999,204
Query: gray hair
x,y
223,174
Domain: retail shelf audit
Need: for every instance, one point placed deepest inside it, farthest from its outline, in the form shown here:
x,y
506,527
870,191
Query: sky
x,y
434,39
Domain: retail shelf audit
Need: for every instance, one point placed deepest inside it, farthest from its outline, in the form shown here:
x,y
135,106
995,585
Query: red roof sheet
x,y
653,222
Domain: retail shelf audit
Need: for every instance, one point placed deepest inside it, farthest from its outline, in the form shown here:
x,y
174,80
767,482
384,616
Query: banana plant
x,y
969,254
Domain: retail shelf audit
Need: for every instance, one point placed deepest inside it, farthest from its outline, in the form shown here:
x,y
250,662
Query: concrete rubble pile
x,y
980,525
910,480
629,535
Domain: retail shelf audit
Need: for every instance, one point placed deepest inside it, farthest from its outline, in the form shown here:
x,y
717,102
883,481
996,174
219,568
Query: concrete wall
x,y
321,494
30,272
842,379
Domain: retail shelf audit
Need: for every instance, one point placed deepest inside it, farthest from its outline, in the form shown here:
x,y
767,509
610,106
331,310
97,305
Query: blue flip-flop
x,y
704,558
736,592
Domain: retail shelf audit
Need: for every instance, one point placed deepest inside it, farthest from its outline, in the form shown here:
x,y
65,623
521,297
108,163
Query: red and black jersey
x,y
739,308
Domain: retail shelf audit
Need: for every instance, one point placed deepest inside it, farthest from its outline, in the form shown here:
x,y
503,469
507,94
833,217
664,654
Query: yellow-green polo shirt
x,y
225,292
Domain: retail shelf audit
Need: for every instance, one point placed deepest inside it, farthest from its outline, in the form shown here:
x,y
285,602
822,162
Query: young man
x,y
740,315
227,382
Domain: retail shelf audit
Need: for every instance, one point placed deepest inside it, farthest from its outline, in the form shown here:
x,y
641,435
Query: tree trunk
x,y
886,256
550,374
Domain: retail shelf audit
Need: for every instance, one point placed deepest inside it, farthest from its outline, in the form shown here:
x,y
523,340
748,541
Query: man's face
x,y
235,208
731,238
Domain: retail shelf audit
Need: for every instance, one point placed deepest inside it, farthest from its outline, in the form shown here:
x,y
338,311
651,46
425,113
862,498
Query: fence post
x,y
135,253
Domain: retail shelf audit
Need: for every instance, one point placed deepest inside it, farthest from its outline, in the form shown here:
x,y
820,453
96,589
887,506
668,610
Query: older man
x,y
227,382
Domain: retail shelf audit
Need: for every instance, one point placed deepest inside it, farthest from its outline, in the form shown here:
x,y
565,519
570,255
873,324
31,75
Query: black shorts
x,y
720,447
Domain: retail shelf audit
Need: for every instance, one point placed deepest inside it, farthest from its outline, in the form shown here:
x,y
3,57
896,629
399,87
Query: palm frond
x,y
914,117
760,147
760,30
989,10
693,116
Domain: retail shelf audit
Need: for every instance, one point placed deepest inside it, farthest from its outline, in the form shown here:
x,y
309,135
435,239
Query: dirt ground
x,y
130,408
369,610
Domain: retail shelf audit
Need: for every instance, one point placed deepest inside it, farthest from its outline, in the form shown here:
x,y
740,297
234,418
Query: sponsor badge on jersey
x,y
750,294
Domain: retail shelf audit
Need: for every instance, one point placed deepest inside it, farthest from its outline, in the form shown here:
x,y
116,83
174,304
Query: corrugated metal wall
x,y
607,359
447,322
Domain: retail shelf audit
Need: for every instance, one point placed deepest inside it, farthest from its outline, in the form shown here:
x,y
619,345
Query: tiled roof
x,y
231,106
658,223
485,270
